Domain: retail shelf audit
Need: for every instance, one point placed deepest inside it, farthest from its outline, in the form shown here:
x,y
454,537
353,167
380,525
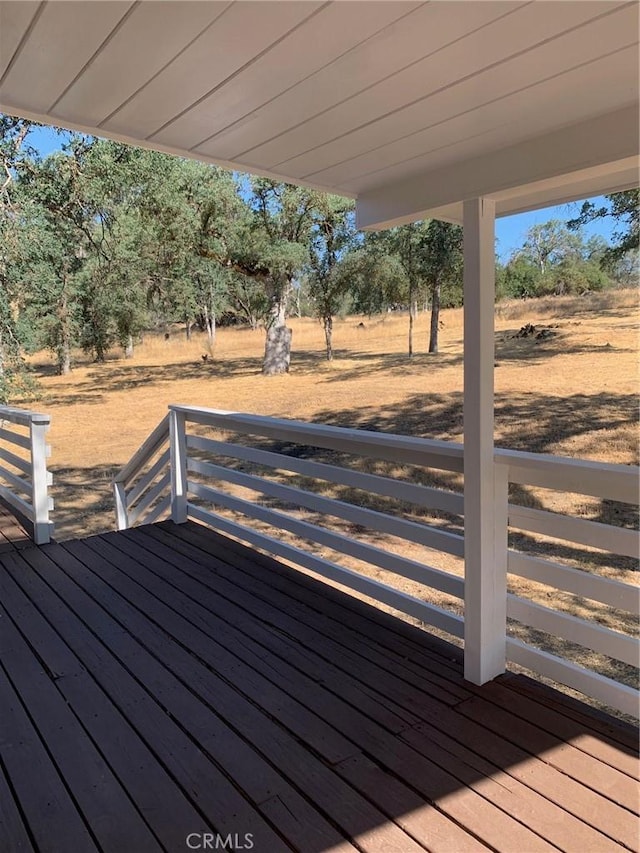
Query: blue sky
x,y
510,230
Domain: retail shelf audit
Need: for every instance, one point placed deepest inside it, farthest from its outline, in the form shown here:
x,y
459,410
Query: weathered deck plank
x,y
13,536
554,785
346,721
166,681
104,806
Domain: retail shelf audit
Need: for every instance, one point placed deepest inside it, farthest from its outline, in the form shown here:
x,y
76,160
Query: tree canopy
x,y
100,241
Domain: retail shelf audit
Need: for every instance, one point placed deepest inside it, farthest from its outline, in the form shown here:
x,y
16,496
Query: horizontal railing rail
x,y
251,493
141,488
401,449
335,500
24,477
615,643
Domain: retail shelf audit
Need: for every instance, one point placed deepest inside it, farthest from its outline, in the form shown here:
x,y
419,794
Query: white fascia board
x,y
600,180
596,156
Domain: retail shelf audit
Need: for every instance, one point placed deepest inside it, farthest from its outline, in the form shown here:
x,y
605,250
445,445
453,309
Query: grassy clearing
x,y
574,394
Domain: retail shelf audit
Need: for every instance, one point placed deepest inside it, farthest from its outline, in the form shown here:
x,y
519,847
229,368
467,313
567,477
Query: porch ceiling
x,y
410,107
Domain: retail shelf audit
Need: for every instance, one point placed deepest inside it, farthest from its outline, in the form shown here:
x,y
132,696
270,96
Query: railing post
x,y
40,480
484,584
120,500
178,453
501,550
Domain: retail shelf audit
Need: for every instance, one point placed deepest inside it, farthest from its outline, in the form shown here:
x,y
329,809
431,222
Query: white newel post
x,y
120,501
484,520
178,451
40,480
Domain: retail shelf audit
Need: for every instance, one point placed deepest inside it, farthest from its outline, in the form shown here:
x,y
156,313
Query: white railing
x,y
576,536
141,489
328,498
273,499
24,478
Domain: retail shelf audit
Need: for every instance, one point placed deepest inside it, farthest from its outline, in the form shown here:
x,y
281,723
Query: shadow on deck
x,y
165,682
13,536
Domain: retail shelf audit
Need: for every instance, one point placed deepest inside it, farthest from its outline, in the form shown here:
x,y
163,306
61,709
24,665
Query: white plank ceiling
x,y
376,100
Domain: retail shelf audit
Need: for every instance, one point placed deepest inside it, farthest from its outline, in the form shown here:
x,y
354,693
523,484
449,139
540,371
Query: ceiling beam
x,y
593,157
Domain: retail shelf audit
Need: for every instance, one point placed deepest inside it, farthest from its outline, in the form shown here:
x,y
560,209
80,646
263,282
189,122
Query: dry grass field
x,y
574,393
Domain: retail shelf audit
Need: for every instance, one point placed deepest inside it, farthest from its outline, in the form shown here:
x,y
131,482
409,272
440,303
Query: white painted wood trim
x,y
485,564
18,462
152,495
24,417
613,694
150,445
593,150
21,507
178,447
414,493
617,540
581,476
622,596
419,572
444,455
40,481
120,500
18,483
428,613
15,438
423,534
159,509
591,635
163,461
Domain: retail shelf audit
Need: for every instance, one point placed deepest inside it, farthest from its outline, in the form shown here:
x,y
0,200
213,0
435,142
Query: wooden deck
x,y
13,536
164,682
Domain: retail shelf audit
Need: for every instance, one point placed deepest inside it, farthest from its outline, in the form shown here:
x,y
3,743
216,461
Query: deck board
x,y
432,778
13,536
165,681
575,799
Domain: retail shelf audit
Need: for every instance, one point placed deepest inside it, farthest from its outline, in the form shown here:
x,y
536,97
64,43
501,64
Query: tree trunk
x,y
210,322
210,317
413,312
64,341
296,310
128,347
435,317
277,350
2,374
328,335
187,328
64,359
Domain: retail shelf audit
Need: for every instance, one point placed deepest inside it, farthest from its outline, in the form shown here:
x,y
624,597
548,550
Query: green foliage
x,y
556,261
100,241
404,266
521,278
375,279
442,248
624,207
331,235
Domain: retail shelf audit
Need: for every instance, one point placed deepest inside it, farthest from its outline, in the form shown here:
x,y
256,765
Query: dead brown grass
x,y
574,394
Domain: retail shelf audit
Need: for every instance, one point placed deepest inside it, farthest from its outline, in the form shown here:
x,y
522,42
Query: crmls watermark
x,y
215,841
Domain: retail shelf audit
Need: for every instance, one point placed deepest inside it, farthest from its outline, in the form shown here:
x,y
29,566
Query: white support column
x,y
485,550
40,481
178,451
